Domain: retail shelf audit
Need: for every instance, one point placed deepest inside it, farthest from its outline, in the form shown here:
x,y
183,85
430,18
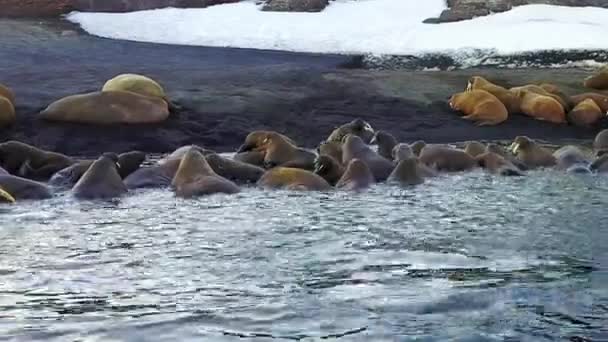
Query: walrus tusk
x,y
8,197
514,147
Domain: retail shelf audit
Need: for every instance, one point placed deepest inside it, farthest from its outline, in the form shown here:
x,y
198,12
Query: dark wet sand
x,y
225,93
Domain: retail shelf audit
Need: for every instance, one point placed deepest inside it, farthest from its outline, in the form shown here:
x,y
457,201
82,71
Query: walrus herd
x,y
487,103
345,161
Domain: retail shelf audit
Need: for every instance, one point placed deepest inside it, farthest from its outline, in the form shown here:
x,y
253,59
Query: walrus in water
x,y
234,170
278,151
531,154
406,173
5,197
357,176
332,149
354,147
405,151
329,168
572,159
290,178
445,158
101,180
600,164
417,147
497,164
474,148
31,162
255,158
128,163
24,189
495,148
181,151
600,143
356,127
156,176
386,142
107,108
195,177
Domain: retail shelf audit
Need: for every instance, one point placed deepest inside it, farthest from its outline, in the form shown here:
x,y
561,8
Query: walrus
x,y
135,83
600,99
290,178
497,164
7,112
101,180
31,162
480,106
599,80
354,147
127,164
600,164
107,108
406,173
332,149
586,114
5,197
495,148
417,147
445,158
234,170
541,107
568,156
357,176
181,151
386,142
508,99
329,168
24,189
156,176
474,148
255,158
541,91
531,154
357,127
7,93
405,151
195,177
555,90
600,143
278,151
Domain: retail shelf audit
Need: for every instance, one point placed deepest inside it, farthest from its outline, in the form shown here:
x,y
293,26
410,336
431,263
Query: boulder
x,y
295,5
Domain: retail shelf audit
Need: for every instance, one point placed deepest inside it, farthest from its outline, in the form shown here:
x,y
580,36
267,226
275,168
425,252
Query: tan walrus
x,y
234,170
508,99
405,151
357,127
7,93
195,177
354,147
541,107
445,158
332,149
531,154
278,151
7,112
330,169
290,178
31,162
135,83
586,114
101,180
357,176
107,108
497,164
480,106
599,80
406,173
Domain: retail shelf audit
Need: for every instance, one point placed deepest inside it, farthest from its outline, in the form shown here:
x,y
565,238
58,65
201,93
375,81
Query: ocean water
x,y
463,257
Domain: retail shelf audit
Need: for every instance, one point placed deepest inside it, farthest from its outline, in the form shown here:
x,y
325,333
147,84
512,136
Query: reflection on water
x,y
470,257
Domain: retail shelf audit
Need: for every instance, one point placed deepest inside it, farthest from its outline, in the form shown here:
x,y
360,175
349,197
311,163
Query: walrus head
x,y
331,148
129,162
328,168
417,146
521,143
192,166
407,172
402,151
259,141
386,142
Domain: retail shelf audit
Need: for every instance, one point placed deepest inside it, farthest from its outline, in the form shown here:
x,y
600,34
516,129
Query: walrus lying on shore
x,y
601,100
107,108
599,80
504,95
565,102
541,107
101,180
586,114
480,106
31,162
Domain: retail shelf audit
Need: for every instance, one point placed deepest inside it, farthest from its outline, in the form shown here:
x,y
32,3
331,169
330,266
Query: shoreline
x,y
226,93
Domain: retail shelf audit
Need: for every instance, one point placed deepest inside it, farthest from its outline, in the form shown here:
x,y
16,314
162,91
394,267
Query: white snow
x,y
382,27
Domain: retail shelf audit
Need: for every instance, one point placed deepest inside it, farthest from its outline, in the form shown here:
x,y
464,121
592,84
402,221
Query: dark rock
x,y
295,5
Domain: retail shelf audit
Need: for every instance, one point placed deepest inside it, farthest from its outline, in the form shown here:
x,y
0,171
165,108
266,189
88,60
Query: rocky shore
x,y
225,93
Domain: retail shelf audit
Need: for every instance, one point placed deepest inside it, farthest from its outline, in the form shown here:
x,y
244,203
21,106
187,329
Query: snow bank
x,y
380,27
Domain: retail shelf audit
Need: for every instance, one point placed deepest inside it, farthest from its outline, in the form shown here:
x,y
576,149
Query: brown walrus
x,y
7,112
599,80
497,164
417,147
555,90
600,143
31,162
330,169
586,114
156,176
255,158
445,158
566,103
474,148
127,164
24,189
356,127
107,108
357,176
332,149
5,197
290,178
407,172
531,154
480,106
194,177
278,151
7,93
495,148
181,151
234,170
600,99
354,147
541,107
101,180
405,151
508,99
386,142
